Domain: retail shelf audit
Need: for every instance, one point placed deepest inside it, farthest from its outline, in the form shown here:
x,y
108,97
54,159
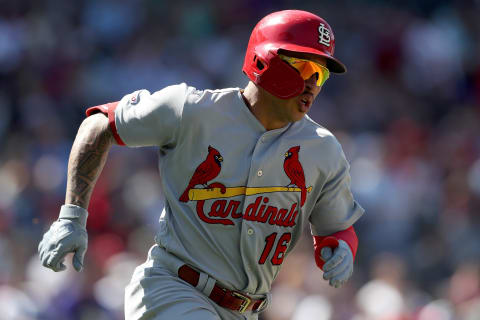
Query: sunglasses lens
x,y
311,68
323,76
307,68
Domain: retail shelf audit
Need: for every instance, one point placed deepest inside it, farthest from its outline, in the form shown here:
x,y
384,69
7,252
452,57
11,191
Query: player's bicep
x,y
96,126
144,119
98,120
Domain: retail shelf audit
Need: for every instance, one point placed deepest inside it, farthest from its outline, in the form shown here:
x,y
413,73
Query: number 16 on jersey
x,y
279,252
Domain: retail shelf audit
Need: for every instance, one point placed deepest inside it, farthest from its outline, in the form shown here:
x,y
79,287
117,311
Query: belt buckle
x,y
246,301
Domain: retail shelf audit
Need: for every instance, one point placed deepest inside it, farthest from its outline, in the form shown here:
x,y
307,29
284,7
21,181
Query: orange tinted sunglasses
x,y
307,68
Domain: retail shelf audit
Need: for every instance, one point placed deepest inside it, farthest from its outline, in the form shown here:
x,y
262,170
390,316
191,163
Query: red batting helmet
x,y
292,30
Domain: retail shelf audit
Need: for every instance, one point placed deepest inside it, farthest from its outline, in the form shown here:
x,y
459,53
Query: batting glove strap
x,y
73,212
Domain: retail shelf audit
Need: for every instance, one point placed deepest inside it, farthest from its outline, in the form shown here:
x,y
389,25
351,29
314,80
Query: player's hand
x,y
338,267
67,234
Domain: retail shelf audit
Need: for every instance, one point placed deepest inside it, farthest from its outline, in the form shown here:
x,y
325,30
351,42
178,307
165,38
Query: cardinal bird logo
x,y
206,171
293,169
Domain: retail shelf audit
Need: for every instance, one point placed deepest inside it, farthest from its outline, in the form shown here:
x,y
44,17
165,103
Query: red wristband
x,y
319,242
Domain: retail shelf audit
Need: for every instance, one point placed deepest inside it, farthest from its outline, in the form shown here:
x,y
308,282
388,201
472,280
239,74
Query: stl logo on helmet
x,y
324,35
224,210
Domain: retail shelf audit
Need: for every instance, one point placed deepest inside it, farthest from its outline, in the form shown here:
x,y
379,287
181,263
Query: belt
x,y
233,300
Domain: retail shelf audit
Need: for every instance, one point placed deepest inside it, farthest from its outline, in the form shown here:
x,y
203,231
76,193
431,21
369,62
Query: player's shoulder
x,y
187,96
175,94
317,137
310,129
197,96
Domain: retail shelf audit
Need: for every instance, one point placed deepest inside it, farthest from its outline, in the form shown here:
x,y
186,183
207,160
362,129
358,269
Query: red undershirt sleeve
x,y
108,109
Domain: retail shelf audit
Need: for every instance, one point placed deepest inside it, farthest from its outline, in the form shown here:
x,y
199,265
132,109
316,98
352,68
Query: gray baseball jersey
x,y
238,197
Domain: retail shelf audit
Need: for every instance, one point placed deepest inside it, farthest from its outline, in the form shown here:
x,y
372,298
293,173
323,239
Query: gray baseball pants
x,y
155,292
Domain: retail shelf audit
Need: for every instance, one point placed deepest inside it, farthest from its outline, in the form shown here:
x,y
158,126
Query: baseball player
x,y
244,171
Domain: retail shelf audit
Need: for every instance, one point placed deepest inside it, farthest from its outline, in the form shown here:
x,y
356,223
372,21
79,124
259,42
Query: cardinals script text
x,y
223,211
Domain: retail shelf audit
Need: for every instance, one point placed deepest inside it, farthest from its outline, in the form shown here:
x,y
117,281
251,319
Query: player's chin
x,y
297,116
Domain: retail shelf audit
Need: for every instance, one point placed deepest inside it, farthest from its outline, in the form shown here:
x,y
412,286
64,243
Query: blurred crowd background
x,y
407,114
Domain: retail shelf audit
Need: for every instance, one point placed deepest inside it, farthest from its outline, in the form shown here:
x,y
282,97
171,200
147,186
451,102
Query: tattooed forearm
x,y
87,158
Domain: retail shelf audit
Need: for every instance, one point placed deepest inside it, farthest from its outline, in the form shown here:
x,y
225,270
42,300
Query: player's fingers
x,y
43,243
42,253
55,262
326,253
337,283
56,258
340,280
44,260
46,247
337,257
78,258
337,270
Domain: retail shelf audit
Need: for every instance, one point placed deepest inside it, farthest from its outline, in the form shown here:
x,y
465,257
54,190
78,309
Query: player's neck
x,y
263,109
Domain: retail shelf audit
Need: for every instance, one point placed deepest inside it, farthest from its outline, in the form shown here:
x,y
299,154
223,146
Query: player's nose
x,y
311,84
312,81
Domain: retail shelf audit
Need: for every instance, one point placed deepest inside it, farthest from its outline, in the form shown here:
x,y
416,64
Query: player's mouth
x,y
305,102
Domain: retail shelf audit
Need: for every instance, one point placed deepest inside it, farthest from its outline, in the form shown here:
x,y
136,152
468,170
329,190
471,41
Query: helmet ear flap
x,y
279,79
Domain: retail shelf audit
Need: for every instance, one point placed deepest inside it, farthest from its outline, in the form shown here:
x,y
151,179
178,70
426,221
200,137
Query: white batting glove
x,y
67,234
338,267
